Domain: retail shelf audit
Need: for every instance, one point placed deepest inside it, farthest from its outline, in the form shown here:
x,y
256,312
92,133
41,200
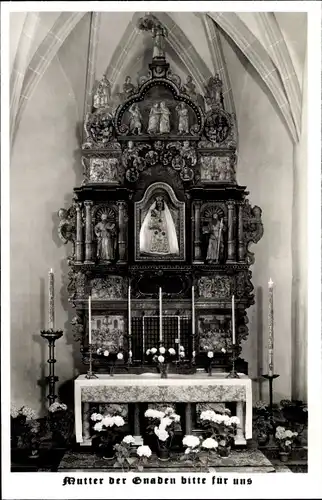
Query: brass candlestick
x,y
233,373
90,373
51,336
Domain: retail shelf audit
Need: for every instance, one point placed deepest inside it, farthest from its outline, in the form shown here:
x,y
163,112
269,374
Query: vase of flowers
x,y
112,355
221,427
162,357
285,441
25,430
60,423
210,357
108,430
163,424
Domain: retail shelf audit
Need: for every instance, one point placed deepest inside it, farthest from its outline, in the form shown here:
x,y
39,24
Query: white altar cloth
x,y
149,388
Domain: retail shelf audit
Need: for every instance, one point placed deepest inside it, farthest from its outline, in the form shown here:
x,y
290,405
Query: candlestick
x,y
129,324
270,329
90,320
160,312
193,319
233,318
51,300
51,336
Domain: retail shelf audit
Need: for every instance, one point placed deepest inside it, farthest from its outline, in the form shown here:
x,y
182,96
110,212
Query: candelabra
x,y
51,336
233,373
270,377
90,373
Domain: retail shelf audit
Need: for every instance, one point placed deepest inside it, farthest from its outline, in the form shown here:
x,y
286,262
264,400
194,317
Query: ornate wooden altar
x,y
160,206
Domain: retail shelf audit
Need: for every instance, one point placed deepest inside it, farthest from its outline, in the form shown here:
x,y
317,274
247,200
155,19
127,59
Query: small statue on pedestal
x,y
135,124
215,229
102,95
105,231
183,119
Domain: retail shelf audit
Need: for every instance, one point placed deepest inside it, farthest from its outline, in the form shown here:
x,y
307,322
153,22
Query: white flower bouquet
x,y
108,429
163,424
285,439
198,452
112,356
220,427
60,423
162,357
25,428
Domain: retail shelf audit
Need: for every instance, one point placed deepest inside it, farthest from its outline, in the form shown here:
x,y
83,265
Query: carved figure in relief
x,y
158,233
105,231
190,87
135,124
215,230
164,118
128,87
154,119
183,119
103,94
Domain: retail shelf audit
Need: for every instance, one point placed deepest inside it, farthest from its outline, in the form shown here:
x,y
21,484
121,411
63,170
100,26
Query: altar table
x,y
150,388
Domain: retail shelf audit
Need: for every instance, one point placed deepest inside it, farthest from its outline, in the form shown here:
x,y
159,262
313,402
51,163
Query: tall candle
x,y
89,319
51,300
160,312
129,324
233,318
193,319
270,328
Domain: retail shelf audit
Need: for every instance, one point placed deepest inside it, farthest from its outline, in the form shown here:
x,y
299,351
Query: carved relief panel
x,y
108,288
214,332
108,332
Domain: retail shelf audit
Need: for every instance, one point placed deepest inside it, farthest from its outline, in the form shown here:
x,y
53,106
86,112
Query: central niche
x,y
159,225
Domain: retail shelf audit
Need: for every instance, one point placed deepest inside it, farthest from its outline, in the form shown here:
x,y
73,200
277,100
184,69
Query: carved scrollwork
x,y
110,288
99,128
67,227
252,227
77,286
218,287
78,327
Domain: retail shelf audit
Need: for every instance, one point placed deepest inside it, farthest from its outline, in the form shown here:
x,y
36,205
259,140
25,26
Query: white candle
x,y
89,319
270,328
233,318
160,312
129,311
51,300
193,320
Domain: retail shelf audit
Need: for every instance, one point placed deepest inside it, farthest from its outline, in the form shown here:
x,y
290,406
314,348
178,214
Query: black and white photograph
x,y
161,249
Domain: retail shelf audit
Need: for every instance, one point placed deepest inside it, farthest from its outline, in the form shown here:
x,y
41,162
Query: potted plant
x,y
108,430
285,441
60,423
262,422
25,430
162,357
222,428
198,452
128,457
163,424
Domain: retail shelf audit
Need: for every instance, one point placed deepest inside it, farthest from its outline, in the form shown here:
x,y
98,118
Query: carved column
x,y
122,231
241,247
197,249
79,234
88,233
231,241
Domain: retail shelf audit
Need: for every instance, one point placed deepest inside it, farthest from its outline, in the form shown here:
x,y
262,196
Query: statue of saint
x,y
105,231
154,119
183,115
103,94
164,119
128,87
158,233
135,124
215,230
158,33
190,88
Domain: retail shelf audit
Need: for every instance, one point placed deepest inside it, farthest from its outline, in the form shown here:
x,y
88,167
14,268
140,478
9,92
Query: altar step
x,y
240,461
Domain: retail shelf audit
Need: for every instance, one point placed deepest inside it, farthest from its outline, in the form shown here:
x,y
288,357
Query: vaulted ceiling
x,y
273,44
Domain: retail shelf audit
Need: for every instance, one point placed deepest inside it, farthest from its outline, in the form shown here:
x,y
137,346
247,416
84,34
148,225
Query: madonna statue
x,y
158,233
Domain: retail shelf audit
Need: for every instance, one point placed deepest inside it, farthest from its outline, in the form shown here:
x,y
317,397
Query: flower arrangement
x,y
222,428
163,424
285,439
113,356
60,423
198,452
127,456
107,429
210,351
262,422
162,357
25,429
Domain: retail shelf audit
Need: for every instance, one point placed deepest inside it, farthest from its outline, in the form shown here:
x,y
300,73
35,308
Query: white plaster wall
x,y
265,163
